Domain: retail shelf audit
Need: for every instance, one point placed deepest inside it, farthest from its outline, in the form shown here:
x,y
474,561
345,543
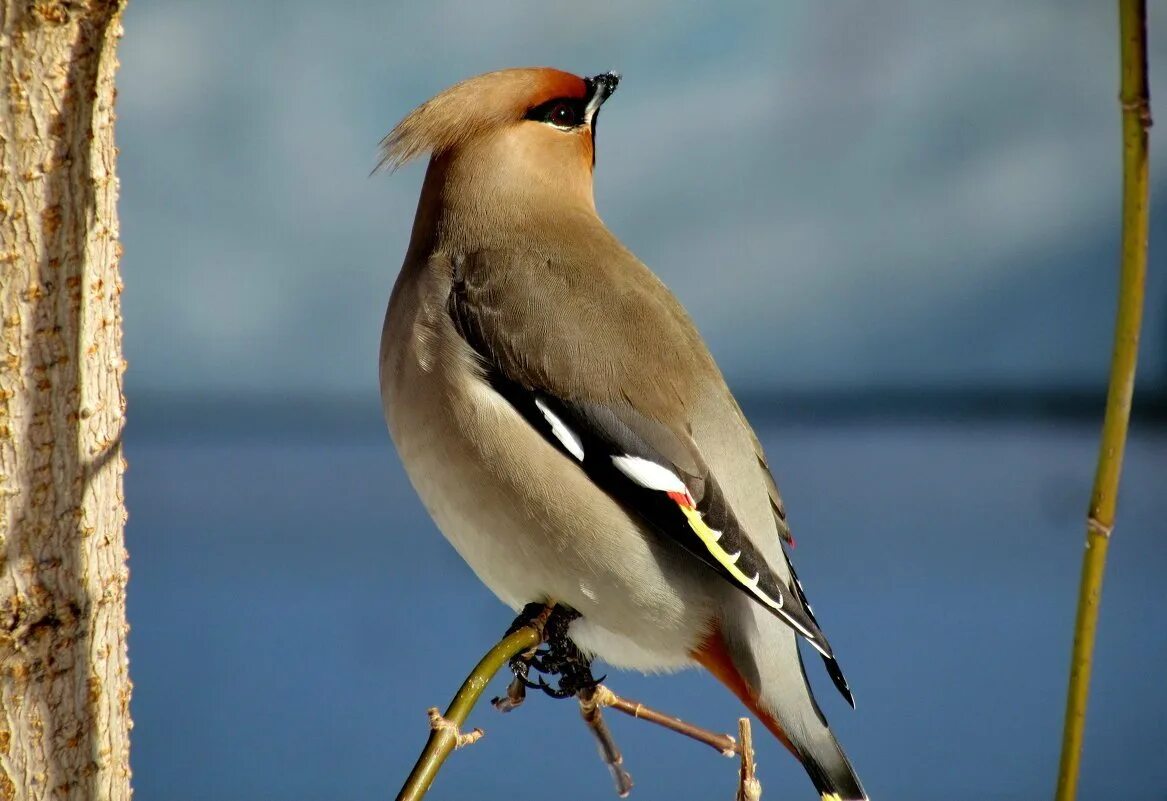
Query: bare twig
x,y
723,743
439,723
609,751
446,736
1134,99
748,786
516,694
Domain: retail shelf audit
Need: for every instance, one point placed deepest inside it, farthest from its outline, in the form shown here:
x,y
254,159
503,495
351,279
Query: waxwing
x,y
565,424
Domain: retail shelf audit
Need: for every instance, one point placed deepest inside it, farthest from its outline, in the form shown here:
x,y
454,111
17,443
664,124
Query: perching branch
x,y
722,743
1136,119
446,734
748,788
591,712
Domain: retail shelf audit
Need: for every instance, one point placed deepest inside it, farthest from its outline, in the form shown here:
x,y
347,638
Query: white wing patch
x,y
653,476
650,474
565,435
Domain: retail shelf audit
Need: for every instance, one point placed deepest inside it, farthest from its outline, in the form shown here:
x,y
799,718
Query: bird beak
x,y
600,88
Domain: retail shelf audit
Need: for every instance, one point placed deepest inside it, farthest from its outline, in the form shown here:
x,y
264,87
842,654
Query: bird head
x,y
529,127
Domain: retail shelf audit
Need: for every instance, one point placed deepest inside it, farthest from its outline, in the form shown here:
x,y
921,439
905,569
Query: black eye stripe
x,y
565,112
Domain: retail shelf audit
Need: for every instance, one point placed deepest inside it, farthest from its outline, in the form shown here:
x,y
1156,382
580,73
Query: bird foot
x,y
559,657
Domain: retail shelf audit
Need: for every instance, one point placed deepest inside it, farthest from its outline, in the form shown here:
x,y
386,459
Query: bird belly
x,y
533,527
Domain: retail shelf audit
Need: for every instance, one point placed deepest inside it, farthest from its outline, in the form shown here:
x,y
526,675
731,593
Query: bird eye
x,y
562,114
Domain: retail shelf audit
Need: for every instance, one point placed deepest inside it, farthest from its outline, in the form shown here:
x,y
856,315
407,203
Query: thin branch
x,y
590,711
722,743
1134,100
516,695
439,723
748,786
446,736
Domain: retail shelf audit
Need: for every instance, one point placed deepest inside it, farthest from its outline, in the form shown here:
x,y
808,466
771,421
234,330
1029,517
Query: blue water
x,y
294,612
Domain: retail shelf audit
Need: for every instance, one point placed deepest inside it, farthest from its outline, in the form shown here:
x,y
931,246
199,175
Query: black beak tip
x,y
604,84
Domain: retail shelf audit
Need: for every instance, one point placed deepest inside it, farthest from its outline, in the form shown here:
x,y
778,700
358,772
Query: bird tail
x,y
769,679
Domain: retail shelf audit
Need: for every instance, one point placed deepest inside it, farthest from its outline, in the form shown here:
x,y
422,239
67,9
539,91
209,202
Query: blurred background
x,y
897,227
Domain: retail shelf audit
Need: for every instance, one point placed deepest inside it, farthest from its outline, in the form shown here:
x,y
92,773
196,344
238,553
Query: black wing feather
x,y
605,431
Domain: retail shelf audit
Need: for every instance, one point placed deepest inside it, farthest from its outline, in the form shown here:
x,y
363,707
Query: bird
x,y
565,425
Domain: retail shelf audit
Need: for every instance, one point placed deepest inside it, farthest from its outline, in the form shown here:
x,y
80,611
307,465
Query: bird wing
x,y
563,355
777,507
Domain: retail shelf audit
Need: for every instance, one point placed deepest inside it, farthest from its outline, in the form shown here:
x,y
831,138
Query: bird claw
x,y
554,692
561,657
521,668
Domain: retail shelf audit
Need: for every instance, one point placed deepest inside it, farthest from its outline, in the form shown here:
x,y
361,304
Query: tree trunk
x,y
64,682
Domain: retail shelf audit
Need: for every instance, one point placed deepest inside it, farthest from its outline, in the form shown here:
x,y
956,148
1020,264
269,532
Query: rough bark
x,y
64,683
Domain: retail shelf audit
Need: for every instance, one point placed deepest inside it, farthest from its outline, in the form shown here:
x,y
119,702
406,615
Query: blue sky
x,y
843,195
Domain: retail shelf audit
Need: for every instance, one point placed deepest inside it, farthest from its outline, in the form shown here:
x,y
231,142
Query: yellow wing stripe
x,y
727,560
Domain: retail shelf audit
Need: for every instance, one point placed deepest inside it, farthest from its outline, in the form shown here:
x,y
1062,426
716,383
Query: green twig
x,y
1136,119
444,734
